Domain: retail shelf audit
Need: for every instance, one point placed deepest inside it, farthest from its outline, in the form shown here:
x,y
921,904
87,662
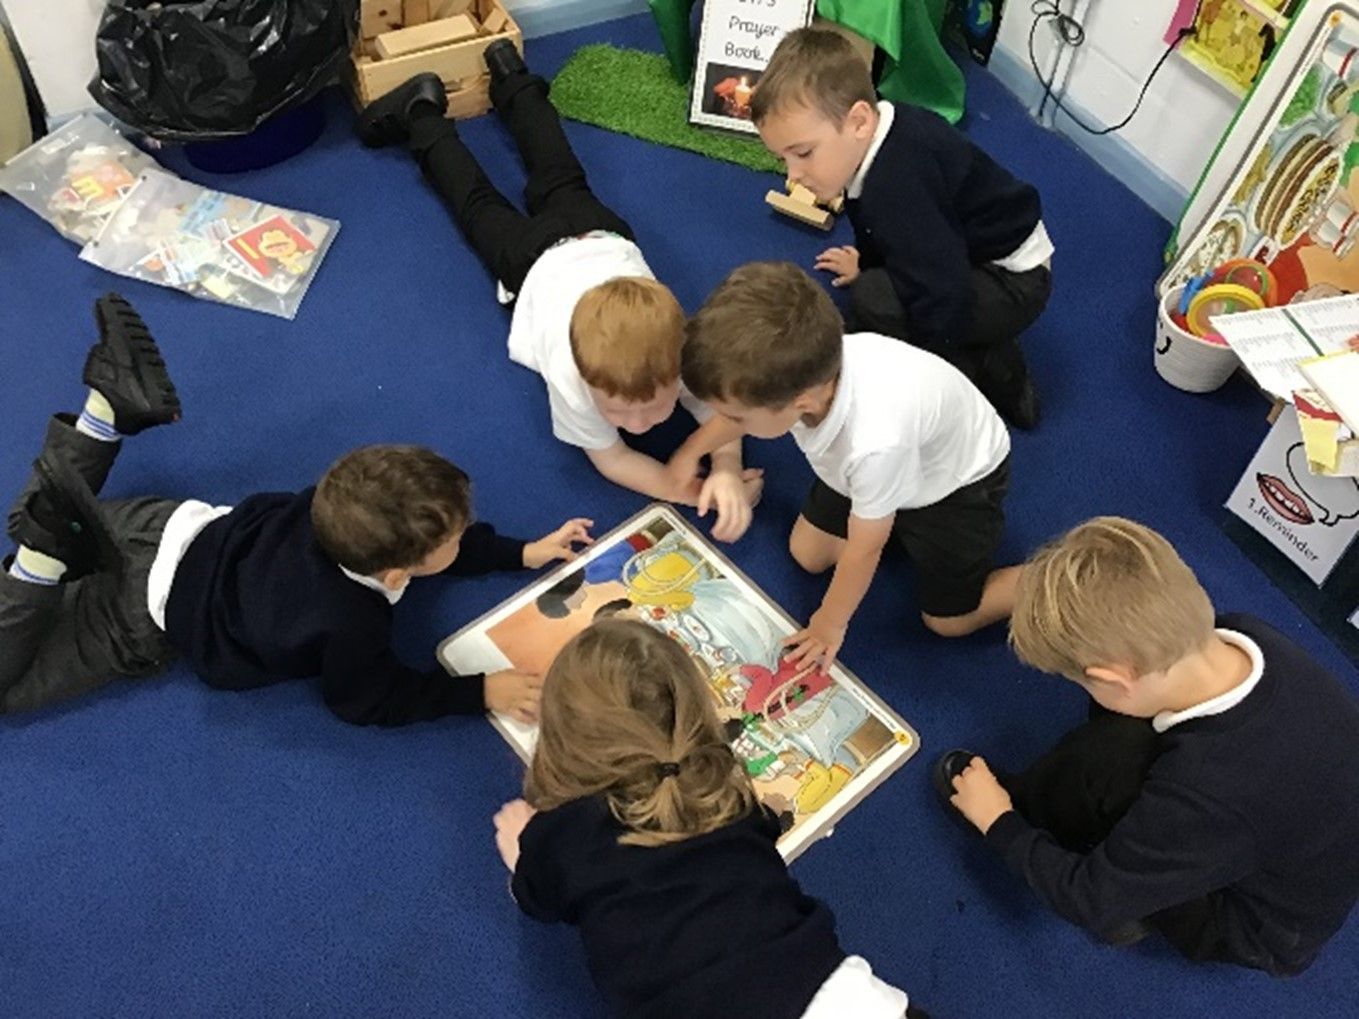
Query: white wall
x,y
1161,153
57,40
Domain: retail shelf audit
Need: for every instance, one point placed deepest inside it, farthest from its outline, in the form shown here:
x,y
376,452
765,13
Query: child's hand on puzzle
x,y
843,262
510,821
734,497
560,544
818,643
978,796
514,693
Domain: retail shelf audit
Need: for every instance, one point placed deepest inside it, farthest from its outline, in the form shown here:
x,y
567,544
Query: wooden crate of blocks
x,y
402,38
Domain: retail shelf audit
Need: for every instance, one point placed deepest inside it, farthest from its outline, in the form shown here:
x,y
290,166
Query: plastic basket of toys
x,y
1190,353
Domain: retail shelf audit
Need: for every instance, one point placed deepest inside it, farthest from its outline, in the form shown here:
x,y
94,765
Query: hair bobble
x,y
668,769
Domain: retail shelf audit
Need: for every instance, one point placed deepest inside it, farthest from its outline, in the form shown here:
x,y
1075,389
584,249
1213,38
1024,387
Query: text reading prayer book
x,y
813,743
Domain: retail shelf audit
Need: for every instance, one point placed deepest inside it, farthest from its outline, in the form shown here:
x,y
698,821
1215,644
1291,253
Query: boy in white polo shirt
x,y
901,442
589,315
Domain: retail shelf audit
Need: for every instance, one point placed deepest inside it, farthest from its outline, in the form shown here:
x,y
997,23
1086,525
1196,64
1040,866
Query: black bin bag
x,y
205,70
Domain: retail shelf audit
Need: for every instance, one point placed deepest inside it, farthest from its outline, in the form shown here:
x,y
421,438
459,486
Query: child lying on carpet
x,y
589,315
903,446
949,252
282,586
1214,793
640,826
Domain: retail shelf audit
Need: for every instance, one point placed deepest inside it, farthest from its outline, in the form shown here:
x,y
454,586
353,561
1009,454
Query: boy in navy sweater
x,y
1214,793
949,252
282,586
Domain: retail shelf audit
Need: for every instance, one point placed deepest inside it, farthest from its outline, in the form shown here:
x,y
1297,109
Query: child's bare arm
x,y
639,472
718,435
820,641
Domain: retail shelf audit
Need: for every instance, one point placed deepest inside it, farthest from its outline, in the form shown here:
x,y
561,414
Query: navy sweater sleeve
x,y
535,880
1172,846
484,551
364,683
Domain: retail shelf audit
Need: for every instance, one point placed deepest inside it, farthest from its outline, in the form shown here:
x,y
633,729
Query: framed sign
x,y
735,42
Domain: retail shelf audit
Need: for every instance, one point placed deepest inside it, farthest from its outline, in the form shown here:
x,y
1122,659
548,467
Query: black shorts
x,y
951,542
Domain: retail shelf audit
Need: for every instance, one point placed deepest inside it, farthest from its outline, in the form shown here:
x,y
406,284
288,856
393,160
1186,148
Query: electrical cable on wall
x,y
1071,33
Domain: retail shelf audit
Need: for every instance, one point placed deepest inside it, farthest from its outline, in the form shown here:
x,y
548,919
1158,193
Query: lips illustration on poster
x,y
1283,500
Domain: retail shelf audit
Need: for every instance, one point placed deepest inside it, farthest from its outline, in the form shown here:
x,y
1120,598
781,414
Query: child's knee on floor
x,y
813,549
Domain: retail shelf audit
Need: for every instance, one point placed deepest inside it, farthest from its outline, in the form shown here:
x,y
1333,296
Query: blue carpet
x,y
170,851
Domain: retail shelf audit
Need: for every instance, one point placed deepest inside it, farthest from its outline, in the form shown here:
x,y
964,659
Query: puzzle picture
x,y
813,743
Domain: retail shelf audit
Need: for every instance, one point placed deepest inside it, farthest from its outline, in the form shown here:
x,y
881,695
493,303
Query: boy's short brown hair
x,y
813,67
626,335
388,507
1108,592
766,334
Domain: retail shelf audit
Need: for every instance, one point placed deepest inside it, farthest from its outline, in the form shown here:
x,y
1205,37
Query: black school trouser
x,y
1003,305
1078,791
559,201
61,640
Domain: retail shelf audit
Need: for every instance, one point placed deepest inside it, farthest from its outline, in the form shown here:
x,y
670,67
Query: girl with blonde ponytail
x,y
639,825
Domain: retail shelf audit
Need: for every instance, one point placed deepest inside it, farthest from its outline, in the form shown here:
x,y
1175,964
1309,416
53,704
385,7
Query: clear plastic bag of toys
x,y
213,245
75,177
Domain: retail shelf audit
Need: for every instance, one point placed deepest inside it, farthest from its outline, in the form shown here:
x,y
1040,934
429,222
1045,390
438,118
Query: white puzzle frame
x,y
471,649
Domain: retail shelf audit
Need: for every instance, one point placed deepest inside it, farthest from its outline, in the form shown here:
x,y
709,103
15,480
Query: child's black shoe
x,y
125,367
1004,379
387,119
60,519
948,767
503,60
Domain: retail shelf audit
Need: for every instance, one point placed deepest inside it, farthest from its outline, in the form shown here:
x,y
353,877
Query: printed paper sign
x,y
734,46
1310,519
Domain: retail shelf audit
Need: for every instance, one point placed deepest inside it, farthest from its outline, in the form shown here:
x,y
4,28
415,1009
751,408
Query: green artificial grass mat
x,y
632,92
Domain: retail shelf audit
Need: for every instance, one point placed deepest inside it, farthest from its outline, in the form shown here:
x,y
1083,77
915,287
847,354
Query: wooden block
x,y
472,100
426,36
801,194
415,12
496,21
809,214
451,63
837,205
449,8
379,16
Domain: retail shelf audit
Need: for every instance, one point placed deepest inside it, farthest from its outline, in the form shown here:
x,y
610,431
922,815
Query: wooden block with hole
x,y
807,212
376,18
428,36
460,65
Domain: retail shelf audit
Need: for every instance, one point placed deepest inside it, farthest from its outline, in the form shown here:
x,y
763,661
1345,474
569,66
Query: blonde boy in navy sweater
x,y
1213,795
950,251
